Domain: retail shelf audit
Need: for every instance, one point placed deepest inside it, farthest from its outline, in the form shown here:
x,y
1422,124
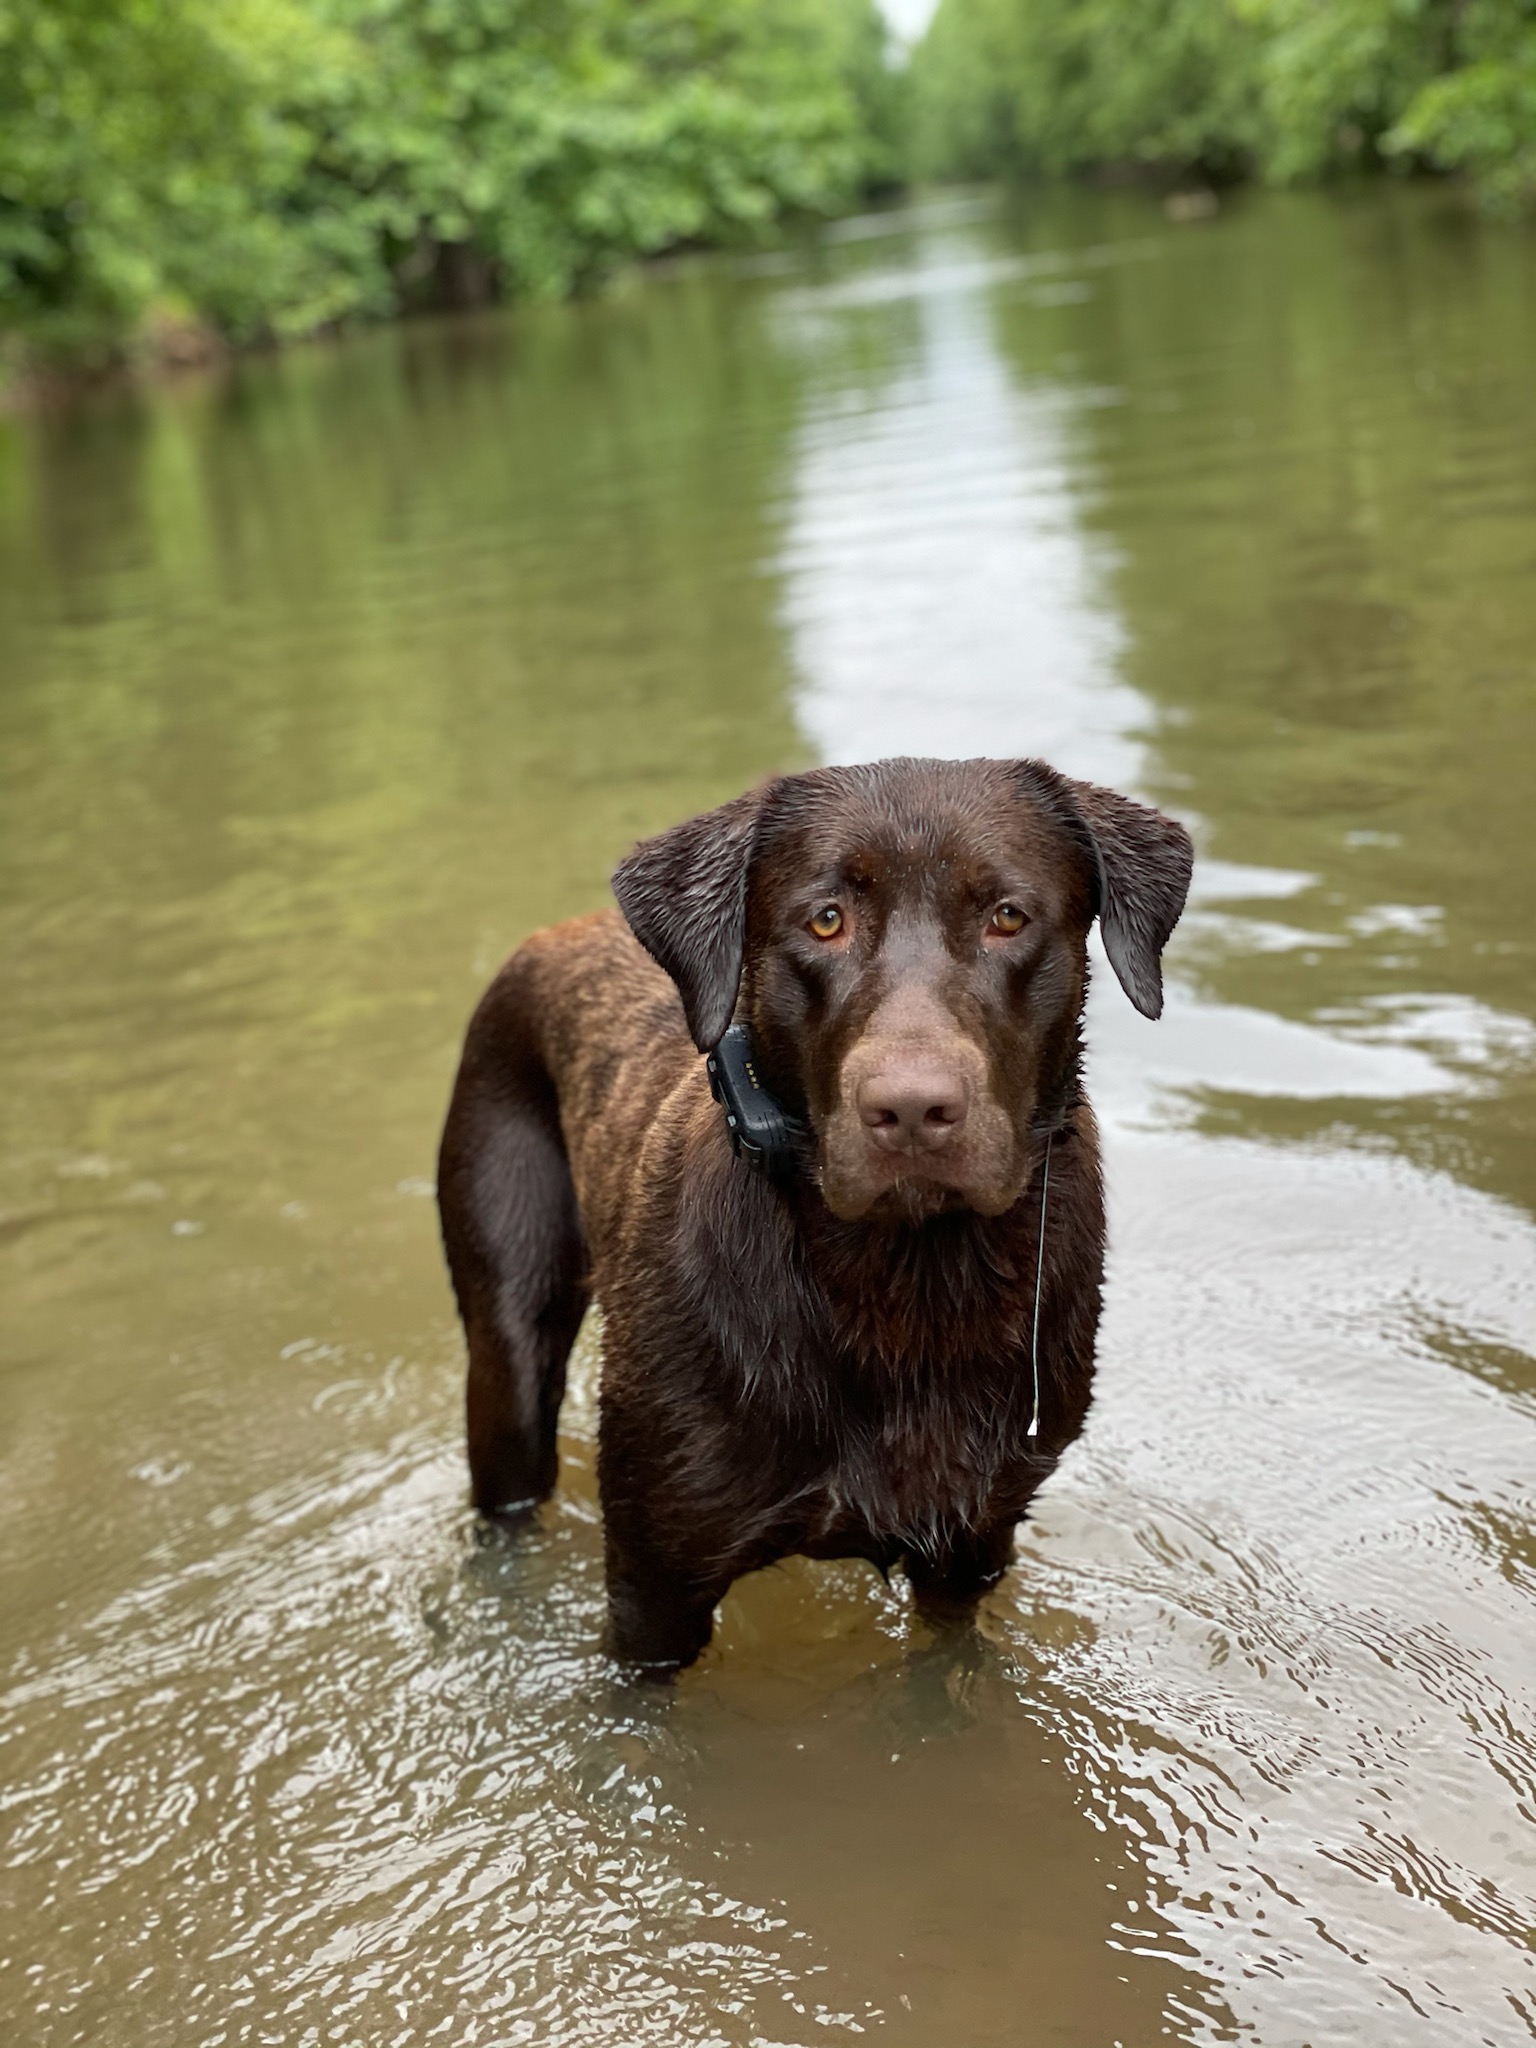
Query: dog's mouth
x,y
915,1200
911,1187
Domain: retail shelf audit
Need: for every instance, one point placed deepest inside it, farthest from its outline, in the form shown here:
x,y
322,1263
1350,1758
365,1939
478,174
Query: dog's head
x,y
908,944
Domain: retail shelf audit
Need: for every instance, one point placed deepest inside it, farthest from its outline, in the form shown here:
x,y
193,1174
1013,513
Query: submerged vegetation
x,y
178,174
1278,89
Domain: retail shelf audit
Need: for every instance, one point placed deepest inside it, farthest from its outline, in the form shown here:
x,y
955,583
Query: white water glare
x,y
942,598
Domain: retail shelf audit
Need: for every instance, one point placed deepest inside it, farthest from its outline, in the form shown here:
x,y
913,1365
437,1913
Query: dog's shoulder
x,y
581,960
581,988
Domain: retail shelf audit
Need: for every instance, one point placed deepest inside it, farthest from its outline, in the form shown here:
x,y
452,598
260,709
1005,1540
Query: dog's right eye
x,y
827,922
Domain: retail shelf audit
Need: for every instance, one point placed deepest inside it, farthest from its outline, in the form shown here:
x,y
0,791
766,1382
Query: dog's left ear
x,y
1145,862
684,896
1142,863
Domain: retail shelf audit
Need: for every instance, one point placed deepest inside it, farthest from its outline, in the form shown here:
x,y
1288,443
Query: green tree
x,y
268,166
147,151
1284,89
1480,115
1056,85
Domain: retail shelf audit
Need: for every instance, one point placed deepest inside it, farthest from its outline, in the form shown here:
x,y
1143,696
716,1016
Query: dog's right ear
x,y
684,896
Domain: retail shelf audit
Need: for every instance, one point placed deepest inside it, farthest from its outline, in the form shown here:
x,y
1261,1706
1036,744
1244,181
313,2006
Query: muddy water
x,y
326,679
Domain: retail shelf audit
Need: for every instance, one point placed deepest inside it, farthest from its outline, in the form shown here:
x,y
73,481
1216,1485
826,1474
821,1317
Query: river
x,y
327,676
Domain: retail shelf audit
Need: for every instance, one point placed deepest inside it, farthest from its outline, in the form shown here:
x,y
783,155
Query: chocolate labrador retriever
x,y
849,1262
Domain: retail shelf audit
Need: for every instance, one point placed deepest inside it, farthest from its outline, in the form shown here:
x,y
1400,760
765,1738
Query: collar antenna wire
x,y
1034,1336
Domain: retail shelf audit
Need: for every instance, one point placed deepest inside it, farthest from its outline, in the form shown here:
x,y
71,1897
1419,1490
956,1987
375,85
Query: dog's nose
x,y
912,1109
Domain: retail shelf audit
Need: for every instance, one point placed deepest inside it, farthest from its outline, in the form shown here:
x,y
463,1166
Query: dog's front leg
x,y
670,1512
659,1618
947,1583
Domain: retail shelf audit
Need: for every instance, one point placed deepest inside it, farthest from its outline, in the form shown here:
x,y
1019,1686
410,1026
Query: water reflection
x,y
942,597
326,681
1317,1614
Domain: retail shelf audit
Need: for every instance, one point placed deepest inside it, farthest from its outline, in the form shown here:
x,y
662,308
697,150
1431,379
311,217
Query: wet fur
x,y
777,1380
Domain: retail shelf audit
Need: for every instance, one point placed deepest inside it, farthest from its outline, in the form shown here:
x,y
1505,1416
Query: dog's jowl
x,y
849,1262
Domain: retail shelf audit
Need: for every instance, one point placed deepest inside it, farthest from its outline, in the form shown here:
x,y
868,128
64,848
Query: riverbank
x,y
193,176
1278,91
174,348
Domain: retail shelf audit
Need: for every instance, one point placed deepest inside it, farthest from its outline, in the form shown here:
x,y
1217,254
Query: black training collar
x,y
761,1132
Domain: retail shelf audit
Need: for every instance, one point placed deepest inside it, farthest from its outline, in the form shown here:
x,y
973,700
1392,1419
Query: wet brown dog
x,y
836,1354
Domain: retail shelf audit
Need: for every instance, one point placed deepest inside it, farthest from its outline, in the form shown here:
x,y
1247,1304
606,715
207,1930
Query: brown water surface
x,y
328,677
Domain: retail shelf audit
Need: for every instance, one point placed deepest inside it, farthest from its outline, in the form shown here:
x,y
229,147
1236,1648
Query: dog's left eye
x,y
1008,919
827,922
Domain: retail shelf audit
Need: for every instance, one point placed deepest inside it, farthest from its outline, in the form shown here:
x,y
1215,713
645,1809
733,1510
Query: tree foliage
x,y
1283,89
267,166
